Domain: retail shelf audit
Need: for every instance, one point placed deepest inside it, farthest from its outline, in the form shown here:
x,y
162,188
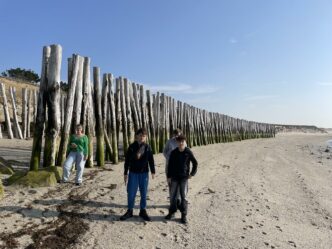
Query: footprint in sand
x,y
259,224
292,243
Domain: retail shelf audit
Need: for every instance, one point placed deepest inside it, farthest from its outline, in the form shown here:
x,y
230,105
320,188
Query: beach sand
x,y
262,193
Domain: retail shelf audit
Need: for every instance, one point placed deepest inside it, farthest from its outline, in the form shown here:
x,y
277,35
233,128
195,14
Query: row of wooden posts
x,y
29,109
110,111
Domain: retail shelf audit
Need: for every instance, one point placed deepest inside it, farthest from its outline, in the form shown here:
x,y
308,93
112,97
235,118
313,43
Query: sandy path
x,y
265,193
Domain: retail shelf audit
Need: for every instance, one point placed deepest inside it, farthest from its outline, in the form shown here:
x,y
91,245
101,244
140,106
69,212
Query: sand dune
x,y
264,193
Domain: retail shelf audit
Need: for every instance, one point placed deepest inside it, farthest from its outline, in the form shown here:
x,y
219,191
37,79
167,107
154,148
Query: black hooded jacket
x,y
179,164
142,164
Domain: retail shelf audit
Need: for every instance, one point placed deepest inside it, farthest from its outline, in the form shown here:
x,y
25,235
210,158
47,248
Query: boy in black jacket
x,y
178,175
139,159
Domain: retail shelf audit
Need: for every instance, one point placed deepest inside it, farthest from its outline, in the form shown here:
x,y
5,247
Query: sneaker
x,y
78,183
184,219
169,216
144,215
127,215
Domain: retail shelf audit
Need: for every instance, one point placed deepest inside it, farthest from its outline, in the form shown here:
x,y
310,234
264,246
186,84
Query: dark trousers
x,y
179,185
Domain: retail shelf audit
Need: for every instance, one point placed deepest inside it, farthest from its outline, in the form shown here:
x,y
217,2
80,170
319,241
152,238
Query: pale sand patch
x,y
263,193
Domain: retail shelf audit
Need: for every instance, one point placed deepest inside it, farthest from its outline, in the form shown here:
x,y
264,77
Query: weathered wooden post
x,y
157,120
118,109
28,114
115,156
137,104
77,111
104,99
62,109
53,129
17,127
142,106
130,133
35,103
123,117
24,112
41,108
162,139
134,111
100,155
75,61
6,112
151,123
88,113
104,108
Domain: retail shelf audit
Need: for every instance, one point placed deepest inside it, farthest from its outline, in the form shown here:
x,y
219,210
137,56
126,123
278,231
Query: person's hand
x,y
85,158
169,181
152,175
73,146
125,178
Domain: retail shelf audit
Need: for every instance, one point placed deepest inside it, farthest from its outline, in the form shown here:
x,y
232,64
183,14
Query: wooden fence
x,y
112,108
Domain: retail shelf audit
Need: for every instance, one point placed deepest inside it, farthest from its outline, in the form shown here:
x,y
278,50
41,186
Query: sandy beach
x,y
262,193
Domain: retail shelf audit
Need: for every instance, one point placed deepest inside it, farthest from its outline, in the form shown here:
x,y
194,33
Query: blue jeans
x,y
135,181
78,159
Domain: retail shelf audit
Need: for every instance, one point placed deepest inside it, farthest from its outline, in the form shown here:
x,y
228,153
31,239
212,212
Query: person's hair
x,y
79,126
181,138
177,132
141,131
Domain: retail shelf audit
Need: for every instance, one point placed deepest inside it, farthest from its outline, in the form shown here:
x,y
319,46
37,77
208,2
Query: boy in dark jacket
x,y
178,175
139,159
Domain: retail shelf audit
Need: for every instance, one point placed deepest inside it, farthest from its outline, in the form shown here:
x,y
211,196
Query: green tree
x,y
23,74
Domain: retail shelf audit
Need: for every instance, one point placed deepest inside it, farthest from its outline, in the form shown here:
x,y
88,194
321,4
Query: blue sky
x,y
268,61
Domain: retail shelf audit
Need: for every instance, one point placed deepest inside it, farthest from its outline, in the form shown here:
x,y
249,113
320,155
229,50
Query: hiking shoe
x,y
184,219
169,216
127,215
144,215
